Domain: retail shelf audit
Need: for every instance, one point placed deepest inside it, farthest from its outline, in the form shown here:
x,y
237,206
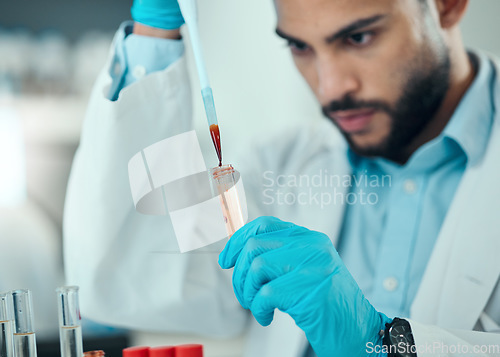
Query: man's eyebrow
x,y
356,25
287,37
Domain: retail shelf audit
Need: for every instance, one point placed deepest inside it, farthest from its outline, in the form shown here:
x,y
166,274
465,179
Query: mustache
x,y
349,103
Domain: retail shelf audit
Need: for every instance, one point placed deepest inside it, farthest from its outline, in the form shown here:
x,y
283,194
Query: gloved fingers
x,y
259,226
165,14
252,250
268,256
266,268
283,293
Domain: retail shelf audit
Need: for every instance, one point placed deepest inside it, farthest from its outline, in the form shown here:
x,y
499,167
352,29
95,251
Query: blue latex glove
x,y
163,14
284,266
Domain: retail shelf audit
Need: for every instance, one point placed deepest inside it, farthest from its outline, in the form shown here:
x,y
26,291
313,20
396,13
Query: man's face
x,y
379,69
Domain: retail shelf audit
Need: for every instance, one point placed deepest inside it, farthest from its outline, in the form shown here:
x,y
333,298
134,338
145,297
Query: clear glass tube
x,y
6,325
24,332
224,178
70,330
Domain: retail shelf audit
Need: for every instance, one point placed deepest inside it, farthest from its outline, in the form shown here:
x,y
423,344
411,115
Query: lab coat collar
x,y
464,269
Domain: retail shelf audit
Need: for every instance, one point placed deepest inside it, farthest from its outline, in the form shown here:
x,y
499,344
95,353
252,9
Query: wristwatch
x,y
398,339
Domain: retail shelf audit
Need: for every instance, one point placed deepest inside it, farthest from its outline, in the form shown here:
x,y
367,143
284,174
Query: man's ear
x,y
451,11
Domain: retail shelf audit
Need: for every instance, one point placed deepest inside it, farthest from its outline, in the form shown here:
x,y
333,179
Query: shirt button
x,y
139,72
410,186
390,284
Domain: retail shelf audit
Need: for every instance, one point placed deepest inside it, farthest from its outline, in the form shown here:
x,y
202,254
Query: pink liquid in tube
x,y
224,180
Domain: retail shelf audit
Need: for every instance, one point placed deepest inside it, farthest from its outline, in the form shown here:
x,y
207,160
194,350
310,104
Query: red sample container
x,y
189,351
138,351
162,351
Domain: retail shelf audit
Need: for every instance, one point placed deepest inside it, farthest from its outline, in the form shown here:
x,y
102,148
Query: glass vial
x,y
6,325
24,332
70,329
224,179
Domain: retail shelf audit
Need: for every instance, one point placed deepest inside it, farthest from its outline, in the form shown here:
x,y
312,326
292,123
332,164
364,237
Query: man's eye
x,y
360,39
298,48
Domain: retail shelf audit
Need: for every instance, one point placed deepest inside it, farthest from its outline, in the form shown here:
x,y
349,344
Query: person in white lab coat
x,y
415,225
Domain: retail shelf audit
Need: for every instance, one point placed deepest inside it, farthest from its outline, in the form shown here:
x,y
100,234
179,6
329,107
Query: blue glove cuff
x,y
384,319
167,19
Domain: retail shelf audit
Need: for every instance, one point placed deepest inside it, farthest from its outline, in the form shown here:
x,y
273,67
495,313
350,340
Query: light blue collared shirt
x,y
386,246
136,56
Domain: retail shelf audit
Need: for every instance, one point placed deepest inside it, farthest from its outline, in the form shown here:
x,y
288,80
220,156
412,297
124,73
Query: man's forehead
x,y
340,5
332,15
336,8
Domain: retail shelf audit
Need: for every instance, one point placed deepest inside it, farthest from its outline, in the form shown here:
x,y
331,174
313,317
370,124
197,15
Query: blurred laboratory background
x,y
50,53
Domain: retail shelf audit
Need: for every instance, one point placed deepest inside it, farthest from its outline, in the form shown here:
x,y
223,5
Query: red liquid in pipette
x,y
214,131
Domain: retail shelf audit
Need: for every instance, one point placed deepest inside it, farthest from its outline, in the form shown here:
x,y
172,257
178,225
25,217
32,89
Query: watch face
x,y
402,338
399,333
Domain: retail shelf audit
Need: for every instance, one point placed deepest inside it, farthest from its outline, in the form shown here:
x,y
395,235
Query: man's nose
x,y
336,79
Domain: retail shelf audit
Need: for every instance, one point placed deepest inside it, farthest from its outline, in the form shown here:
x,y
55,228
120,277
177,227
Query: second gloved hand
x,y
163,14
298,271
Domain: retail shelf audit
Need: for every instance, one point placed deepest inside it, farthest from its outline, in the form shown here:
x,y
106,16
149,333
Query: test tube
x,y
24,332
70,330
224,178
6,325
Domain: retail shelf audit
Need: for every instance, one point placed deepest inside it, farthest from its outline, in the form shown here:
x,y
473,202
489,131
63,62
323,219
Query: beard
x,y
424,90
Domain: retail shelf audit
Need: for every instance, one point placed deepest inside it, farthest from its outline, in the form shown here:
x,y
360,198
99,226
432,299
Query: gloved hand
x,y
163,14
284,266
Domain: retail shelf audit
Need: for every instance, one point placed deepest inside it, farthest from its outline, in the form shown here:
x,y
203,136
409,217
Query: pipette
x,y
189,12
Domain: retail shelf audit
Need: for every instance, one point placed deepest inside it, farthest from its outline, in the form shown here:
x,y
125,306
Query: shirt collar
x,y
471,123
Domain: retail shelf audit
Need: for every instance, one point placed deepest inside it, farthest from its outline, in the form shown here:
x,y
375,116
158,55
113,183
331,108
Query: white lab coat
x,y
109,247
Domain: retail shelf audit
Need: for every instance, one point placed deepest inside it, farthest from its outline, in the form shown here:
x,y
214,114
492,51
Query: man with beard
x,y
414,273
